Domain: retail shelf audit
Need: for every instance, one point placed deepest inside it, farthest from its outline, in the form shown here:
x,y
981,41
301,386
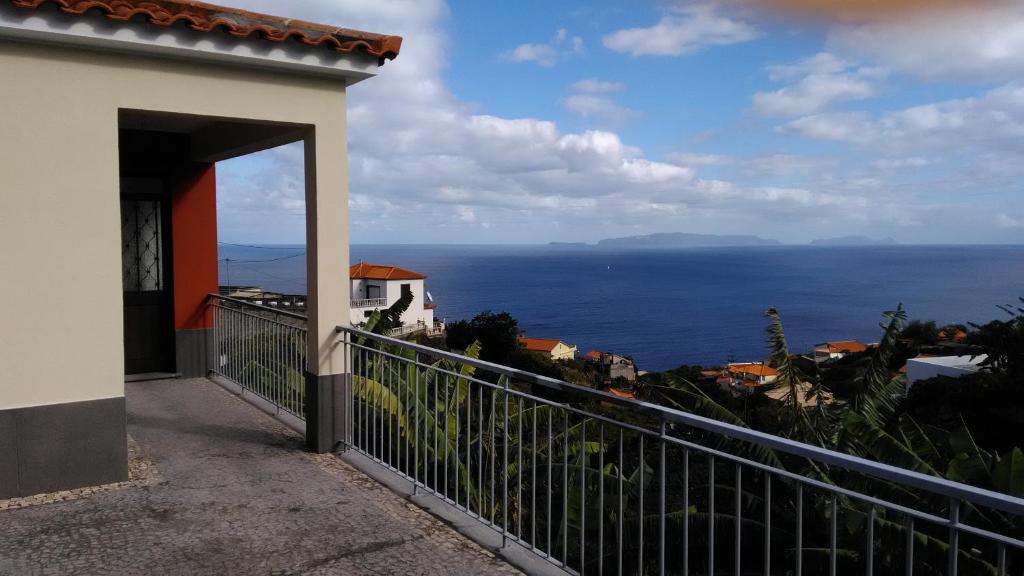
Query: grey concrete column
x,y
328,412
192,350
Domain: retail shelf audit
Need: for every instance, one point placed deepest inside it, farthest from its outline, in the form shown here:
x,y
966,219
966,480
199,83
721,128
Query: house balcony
x,y
435,329
370,303
589,481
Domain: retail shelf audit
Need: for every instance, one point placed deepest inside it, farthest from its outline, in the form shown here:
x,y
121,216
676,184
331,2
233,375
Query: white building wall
x,y
60,205
953,366
391,291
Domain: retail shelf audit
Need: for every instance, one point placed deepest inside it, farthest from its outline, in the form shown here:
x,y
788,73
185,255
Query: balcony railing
x,y
430,330
598,483
261,349
370,303
595,482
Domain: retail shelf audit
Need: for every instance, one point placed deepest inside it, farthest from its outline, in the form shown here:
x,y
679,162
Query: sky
x,y
554,120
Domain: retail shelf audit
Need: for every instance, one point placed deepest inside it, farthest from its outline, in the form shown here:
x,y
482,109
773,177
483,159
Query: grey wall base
x,y
192,352
328,412
62,446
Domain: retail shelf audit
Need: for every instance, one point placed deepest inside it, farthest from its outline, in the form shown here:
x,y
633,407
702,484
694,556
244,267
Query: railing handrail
x,y
941,486
359,302
295,315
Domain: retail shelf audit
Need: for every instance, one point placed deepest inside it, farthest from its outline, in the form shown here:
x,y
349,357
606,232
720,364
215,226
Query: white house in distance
x,y
552,347
923,367
838,349
378,287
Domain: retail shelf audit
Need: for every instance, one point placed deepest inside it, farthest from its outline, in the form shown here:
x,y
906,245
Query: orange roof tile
x,y
593,355
203,17
539,344
843,347
367,271
755,369
622,393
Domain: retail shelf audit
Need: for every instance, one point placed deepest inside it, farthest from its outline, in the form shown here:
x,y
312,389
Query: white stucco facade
x,y
371,290
953,366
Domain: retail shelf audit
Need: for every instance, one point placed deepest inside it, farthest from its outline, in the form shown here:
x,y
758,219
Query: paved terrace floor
x,y
233,493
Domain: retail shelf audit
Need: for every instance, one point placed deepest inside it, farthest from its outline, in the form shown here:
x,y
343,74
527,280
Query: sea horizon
x,y
671,306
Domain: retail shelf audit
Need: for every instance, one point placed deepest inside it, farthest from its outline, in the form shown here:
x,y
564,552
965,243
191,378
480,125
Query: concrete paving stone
x,y
226,489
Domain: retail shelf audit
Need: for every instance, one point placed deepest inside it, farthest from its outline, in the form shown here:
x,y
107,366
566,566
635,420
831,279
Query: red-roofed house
x,y
378,286
751,374
838,349
556,349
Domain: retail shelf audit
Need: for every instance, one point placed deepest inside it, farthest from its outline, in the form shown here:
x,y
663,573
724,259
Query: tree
x,y
497,334
1003,343
920,333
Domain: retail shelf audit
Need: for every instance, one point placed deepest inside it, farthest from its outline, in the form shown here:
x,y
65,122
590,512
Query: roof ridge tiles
x,y
203,17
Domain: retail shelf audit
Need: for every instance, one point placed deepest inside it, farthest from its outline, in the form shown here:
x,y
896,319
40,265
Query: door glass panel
x,y
141,246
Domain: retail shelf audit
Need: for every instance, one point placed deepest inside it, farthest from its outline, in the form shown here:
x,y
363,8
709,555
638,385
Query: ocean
x,y
667,307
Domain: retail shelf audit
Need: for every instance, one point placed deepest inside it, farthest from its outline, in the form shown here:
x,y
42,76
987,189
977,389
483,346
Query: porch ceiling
x,y
215,139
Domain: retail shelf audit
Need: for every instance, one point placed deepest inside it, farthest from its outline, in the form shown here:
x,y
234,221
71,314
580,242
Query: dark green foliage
x,y
1003,342
496,333
990,405
920,333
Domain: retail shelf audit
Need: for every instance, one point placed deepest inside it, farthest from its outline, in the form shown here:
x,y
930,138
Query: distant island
x,y
567,244
686,240
853,241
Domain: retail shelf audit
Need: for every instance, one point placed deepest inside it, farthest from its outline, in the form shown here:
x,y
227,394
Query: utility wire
x,y
266,260
259,247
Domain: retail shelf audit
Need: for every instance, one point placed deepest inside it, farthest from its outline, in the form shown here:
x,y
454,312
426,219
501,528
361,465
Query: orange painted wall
x,y
194,236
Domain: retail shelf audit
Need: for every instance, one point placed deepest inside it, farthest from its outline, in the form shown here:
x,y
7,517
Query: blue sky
x,y
533,121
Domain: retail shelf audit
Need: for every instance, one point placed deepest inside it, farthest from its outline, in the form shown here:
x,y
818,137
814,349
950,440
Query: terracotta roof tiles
x,y
203,17
539,344
753,369
365,270
842,347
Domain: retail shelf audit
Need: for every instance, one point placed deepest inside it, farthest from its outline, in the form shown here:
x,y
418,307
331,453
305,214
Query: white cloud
x,y
843,127
993,120
893,164
683,30
589,105
595,86
696,160
426,166
466,214
549,53
592,99
983,41
826,79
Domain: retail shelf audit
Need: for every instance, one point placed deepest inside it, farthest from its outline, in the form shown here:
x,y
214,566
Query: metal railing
x,y
370,303
597,483
261,349
408,329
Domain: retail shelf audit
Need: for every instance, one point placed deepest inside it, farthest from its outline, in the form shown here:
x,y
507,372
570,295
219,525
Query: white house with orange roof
x,y
751,374
838,349
379,286
552,347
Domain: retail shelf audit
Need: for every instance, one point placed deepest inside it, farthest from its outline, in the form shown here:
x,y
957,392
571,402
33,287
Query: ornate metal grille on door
x,y
141,246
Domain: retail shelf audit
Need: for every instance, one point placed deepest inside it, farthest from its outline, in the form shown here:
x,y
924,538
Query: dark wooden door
x,y
145,251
